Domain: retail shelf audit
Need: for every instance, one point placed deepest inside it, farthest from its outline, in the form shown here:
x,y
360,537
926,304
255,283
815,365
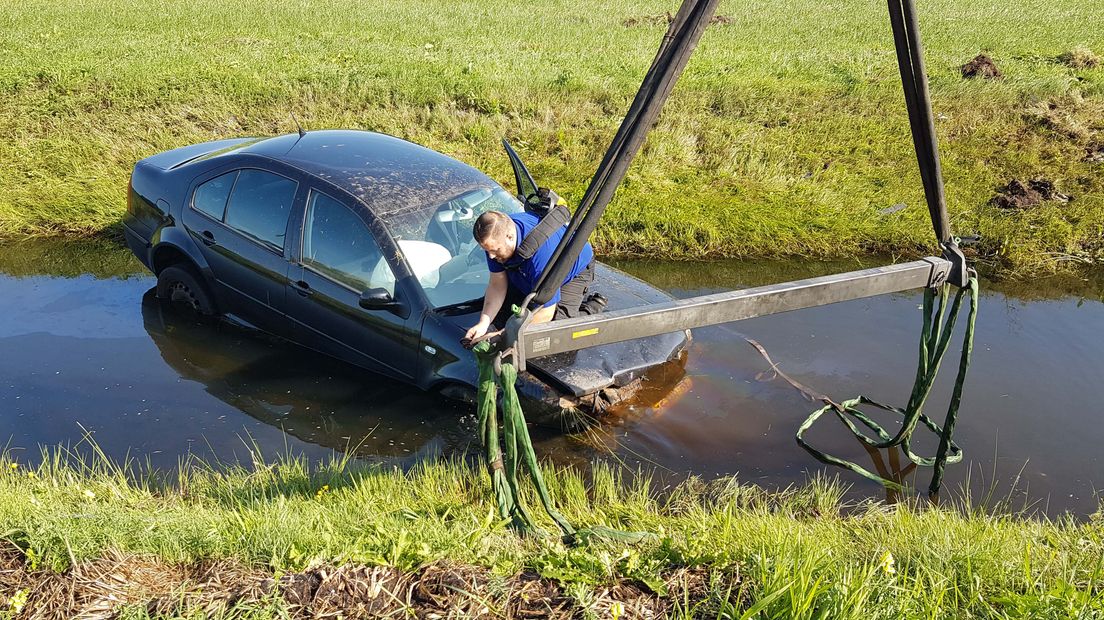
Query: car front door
x,y
239,219
338,259
526,186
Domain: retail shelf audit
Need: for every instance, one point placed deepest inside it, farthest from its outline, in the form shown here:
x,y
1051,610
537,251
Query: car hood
x,y
588,370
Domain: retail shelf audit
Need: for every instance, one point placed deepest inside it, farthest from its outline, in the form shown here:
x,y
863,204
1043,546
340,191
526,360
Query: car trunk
x,y
586,371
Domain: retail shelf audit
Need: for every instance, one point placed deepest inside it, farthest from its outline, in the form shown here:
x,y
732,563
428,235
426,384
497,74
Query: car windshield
x,y
440,249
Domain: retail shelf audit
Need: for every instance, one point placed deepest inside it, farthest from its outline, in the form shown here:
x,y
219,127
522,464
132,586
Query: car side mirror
x,y
378,299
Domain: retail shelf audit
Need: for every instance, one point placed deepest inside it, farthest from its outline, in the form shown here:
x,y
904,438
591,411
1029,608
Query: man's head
x,y
496,233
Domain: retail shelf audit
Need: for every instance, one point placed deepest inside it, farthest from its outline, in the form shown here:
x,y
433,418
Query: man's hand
x,y
492,302
480,331
477,330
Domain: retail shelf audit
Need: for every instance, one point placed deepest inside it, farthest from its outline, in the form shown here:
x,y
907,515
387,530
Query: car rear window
x,y
259,205
210,198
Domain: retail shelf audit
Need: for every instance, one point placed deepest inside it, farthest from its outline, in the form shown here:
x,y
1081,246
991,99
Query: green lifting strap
x,y
934,340
516,447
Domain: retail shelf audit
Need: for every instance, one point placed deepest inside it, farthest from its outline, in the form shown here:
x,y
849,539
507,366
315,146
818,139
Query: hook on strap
x,y
960,272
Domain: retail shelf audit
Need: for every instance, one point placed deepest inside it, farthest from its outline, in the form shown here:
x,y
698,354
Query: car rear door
x,y
238,219
337,258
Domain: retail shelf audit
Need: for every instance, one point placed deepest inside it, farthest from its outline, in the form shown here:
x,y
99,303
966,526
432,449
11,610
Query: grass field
x,y
786,136
797,553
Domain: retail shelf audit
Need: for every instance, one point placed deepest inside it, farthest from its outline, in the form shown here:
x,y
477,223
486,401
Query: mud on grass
x,y
121,584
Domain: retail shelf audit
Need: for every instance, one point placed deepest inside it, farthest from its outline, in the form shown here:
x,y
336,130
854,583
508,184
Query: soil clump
x,y
1019,195
982,66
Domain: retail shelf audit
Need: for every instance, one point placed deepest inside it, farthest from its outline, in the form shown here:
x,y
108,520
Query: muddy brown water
x,y
86,348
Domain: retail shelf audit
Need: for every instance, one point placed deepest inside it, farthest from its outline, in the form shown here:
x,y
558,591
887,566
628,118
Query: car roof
x,y
390,175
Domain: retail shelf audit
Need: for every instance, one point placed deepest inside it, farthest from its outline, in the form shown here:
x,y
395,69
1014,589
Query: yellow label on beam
x,y
585,332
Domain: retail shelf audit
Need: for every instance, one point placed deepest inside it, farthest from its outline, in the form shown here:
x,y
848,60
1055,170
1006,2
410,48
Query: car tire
x,y
180,285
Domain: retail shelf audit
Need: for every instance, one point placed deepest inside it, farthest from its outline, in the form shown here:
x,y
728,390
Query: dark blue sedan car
x,y
359,245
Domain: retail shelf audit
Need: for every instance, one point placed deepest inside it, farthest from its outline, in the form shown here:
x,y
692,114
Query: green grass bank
x,y
786,136
241,541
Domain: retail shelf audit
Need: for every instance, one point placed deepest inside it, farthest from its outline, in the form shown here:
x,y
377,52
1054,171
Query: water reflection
x,y
887,464
98,257
309,396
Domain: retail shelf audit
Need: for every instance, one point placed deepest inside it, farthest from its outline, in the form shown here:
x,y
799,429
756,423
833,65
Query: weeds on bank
x,y
794,553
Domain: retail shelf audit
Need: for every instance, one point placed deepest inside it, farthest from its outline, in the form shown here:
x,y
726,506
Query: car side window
x,y
210,197
339,245
259,206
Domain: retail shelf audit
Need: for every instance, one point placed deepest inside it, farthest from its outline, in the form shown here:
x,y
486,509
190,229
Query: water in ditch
x,y
87,351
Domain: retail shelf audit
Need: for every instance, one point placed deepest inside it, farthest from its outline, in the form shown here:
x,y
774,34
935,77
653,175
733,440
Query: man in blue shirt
x,y
514,277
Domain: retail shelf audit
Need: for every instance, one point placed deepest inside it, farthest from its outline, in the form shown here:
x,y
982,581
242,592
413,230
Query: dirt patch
x,y
982,66
349,591
666,19
1080,57
1025,195
1095,154
102,587
98,588
1061,117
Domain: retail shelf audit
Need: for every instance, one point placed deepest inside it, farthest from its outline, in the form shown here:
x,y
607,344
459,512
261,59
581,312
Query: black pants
x,y
570,305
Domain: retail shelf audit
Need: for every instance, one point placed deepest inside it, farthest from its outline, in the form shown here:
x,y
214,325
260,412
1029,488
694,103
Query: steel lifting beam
x,y
537,340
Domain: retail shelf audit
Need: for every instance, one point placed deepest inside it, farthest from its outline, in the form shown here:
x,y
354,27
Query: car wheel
x,y
180,285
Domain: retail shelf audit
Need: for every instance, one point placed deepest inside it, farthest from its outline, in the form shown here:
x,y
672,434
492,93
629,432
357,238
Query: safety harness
x,y
556,218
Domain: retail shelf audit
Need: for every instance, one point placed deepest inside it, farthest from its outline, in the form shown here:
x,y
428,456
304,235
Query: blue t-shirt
x,y
525,276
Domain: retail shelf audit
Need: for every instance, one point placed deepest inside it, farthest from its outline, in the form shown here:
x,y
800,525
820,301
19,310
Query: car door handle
x,y
303,288
207,237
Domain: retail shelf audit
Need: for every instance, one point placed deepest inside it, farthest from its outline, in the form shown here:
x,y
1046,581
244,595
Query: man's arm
x,y
492,303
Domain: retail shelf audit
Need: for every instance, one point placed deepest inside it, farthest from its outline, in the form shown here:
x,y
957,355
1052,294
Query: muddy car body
x,y
357,245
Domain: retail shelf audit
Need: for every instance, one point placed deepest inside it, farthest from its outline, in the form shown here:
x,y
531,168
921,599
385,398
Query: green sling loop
x,y
934,339
517,443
